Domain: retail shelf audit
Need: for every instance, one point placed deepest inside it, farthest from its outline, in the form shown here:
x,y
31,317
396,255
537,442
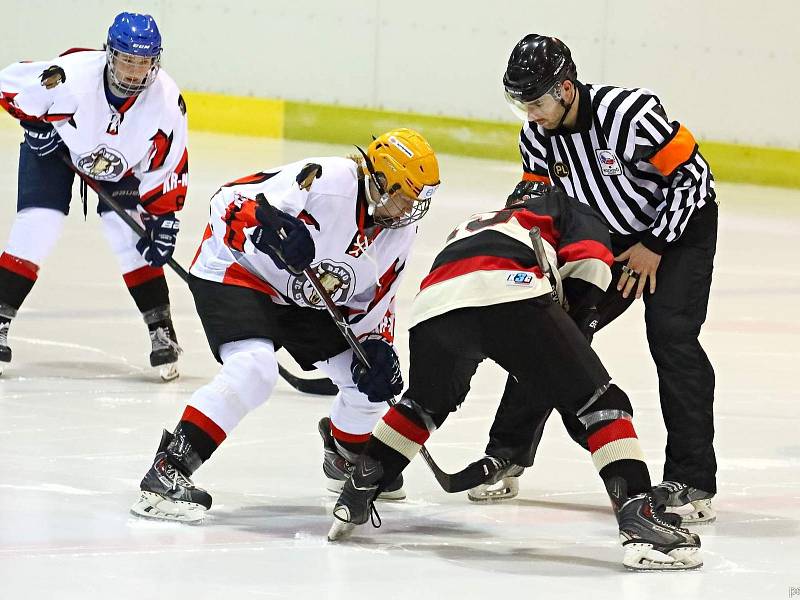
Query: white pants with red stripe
x,y
249,374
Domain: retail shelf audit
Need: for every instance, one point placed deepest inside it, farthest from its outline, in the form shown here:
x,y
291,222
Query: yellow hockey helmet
x,y
401,160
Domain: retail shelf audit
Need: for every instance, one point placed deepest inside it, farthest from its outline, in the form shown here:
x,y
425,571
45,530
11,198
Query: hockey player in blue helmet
x,y
133,53
121,121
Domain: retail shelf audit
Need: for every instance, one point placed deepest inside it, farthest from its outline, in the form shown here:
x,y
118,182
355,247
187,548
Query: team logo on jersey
x,y
609,163
52,76
336,278
103,164
561,169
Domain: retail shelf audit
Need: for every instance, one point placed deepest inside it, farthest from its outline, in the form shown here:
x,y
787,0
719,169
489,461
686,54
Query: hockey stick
x,y
449,483
320,387
544,264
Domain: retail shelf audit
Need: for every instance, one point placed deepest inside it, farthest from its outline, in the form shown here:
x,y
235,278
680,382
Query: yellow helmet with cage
x,y
401,160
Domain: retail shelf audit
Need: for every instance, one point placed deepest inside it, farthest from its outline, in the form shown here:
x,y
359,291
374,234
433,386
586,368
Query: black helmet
x,y
537,63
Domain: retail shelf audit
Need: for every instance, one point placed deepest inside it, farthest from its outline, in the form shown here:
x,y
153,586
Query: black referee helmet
x,y
537,63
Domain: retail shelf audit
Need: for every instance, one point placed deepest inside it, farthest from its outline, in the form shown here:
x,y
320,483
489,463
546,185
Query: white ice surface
x,y
81,415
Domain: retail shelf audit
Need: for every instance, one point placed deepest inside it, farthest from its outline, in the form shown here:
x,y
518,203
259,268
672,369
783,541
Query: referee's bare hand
x,y
642,265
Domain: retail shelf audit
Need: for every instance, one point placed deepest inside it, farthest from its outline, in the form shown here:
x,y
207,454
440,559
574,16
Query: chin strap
x,y
373,176
566,106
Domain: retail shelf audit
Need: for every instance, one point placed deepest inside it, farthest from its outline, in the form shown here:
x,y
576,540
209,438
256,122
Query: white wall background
x,y
727,69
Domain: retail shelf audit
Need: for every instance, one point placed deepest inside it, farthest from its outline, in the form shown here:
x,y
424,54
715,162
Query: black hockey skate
x,y
502,485
337,468
650,542
356,502
167,490
677,495
165,348
5,351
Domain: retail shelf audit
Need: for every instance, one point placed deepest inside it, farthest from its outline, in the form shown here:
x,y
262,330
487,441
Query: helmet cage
x,y
118,62
420,205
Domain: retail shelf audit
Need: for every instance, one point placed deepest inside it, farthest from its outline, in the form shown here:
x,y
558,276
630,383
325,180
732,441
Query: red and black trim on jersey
x,y
259,177
162,143
171,195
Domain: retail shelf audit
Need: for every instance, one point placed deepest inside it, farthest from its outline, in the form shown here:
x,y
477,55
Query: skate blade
x,y
643,557
506,489
340,530
153,506
702,513
168,372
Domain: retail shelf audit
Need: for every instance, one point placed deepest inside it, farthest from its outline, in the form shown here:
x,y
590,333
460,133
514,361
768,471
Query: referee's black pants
x,y
673,318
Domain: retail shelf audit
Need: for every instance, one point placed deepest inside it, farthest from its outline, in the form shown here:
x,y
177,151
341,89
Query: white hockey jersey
x,y
146,137
360,266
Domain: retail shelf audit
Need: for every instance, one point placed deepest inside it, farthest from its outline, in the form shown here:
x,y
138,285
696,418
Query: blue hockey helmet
x,y
133,51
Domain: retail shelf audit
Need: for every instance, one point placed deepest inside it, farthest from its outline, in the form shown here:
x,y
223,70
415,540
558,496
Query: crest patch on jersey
x,y
103,164
561,169
52,76
336,278
609,163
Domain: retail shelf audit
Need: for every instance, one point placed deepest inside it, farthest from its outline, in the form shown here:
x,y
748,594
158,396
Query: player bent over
x,y
122,122
352,220
485,297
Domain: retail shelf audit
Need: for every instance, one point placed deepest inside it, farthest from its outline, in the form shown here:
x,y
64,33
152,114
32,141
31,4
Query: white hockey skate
x,y
693,505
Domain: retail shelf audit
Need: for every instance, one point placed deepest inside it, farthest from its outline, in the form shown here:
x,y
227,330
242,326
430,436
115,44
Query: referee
x,y
616,150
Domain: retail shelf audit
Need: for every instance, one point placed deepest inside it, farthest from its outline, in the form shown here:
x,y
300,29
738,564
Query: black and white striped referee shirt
x,y
642,173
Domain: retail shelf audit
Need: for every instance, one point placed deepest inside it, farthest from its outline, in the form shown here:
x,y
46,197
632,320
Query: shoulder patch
x,y
52,76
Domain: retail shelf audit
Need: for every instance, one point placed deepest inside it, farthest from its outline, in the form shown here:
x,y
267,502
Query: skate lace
x,y
374,517
656,516
178,478
672,486
161,339
4,333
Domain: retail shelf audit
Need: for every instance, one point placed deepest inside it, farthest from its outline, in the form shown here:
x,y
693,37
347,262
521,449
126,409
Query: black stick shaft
x,y
441,477
544,264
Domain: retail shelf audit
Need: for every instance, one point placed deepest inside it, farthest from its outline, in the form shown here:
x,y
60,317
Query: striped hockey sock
x,y
618,457
396,439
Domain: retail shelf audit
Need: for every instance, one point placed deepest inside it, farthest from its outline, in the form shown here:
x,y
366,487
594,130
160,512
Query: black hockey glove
x,y
41,137
295,252
383,380
162,233
524,190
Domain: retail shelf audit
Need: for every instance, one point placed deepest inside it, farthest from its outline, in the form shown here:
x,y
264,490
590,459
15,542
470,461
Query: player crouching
x,y
486,278
352,221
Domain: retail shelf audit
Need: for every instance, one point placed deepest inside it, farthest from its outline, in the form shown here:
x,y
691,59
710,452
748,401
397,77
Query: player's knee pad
x,y
612,404
418,414
246,380
251,369
34,233
122,241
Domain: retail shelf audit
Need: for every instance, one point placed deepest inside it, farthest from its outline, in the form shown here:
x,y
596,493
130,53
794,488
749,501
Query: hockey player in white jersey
x,y
122,122
353,220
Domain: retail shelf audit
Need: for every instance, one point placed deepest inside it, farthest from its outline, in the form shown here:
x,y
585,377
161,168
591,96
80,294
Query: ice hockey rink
x,y
81,415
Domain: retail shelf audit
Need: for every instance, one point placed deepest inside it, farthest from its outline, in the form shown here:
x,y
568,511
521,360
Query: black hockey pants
x,y
673,318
